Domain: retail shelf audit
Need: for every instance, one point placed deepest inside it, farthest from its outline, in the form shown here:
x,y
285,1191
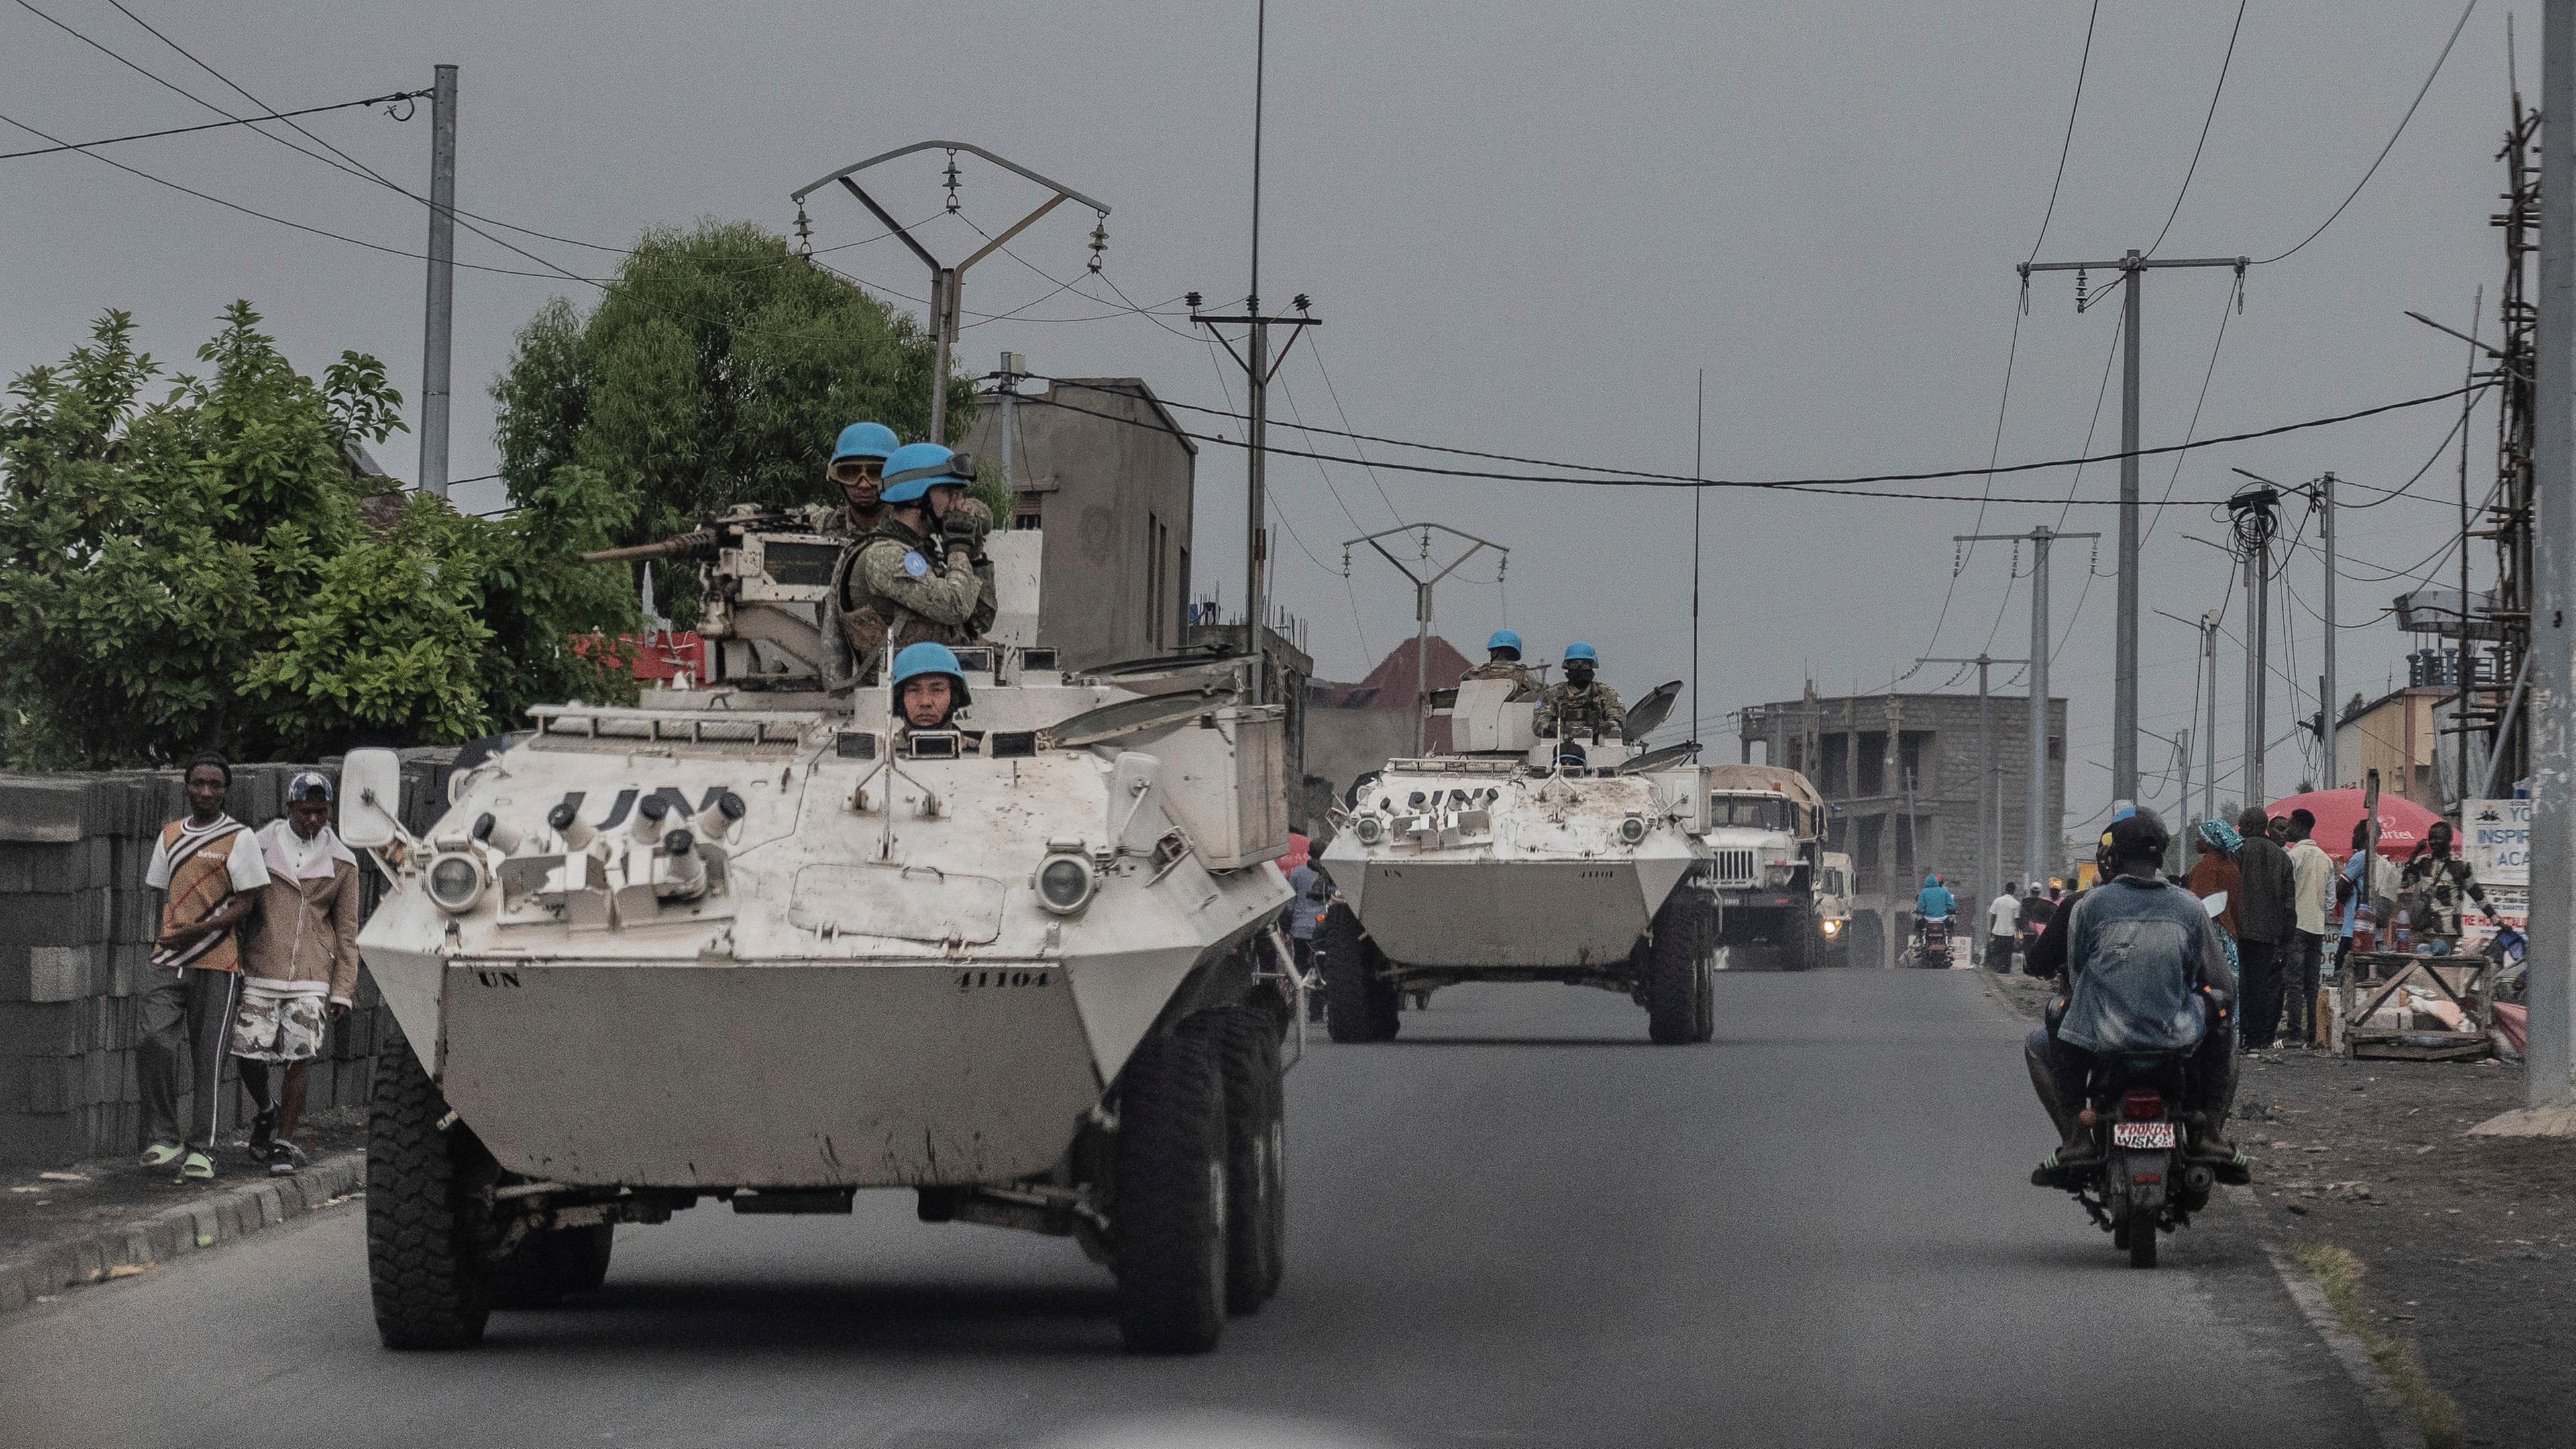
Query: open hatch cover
x,y
1651,711
1130,716
1664,758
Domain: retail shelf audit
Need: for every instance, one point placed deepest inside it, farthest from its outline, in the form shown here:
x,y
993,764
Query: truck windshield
x,y
1767,812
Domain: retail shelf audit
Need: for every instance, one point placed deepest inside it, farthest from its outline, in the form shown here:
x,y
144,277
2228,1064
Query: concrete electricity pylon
x,y
2132,268
438,324
2038,847
2256,522
1990,785
945,280
1423,580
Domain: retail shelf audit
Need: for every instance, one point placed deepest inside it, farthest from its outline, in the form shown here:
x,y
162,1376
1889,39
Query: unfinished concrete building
x,y
1899,776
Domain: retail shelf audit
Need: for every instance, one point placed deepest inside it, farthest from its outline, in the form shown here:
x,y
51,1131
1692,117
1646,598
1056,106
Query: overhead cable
x,y
2392,139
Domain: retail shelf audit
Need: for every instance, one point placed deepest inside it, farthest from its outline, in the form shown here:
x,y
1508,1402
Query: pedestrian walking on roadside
x,y
2036,908
2265,917
210,872
2003,919
2214,873
2311,896
299,966
1305,917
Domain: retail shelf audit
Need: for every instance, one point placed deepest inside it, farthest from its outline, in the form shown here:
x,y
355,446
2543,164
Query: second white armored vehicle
x,y
1524,859
767,950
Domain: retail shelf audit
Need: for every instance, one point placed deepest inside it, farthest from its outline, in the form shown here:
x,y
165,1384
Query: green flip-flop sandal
x,y
197,1166
160,1154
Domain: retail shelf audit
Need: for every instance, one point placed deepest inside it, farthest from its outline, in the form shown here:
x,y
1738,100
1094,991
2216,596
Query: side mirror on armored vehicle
x,y
370,799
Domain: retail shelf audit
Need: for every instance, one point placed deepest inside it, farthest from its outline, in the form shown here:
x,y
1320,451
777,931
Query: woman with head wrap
x,y
2215,871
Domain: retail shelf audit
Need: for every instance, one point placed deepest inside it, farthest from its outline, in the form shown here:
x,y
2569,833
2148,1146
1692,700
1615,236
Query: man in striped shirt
x,y
210,870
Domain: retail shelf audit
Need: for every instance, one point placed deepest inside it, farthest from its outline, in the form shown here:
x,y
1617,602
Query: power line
x,y
1315,350
210,126
2194,168
1848,486
2083,63
2392,139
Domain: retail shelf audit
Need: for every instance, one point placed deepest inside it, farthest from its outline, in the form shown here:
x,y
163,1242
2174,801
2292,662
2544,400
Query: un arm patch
x,y
915,565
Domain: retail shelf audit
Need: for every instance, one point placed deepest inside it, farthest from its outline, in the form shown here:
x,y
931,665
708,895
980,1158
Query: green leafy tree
x,y
716,369
197,571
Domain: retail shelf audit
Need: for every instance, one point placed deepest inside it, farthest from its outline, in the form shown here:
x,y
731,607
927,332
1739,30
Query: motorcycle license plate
x,y
2145,1136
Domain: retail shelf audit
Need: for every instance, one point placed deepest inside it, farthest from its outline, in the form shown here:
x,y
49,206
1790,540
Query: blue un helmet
x,y
865,441
1580,650
1504,639
915,468
918,659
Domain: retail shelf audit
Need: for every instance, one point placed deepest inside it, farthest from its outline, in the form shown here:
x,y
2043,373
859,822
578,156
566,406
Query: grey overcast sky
x,y
1527,225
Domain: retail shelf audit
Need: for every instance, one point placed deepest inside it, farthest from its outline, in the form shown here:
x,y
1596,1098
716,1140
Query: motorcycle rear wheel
x,y
2142,1244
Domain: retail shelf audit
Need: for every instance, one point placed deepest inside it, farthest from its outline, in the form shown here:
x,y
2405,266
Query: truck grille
x,y
1734,867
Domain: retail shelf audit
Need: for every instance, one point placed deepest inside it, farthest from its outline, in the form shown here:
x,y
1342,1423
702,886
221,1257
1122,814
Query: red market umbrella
x,y
1296,856
2402,822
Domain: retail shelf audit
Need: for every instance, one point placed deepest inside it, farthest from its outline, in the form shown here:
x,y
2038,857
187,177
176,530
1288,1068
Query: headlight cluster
x,y
1778,875
456,880
1065,883
1369,828
1833,928
1633,830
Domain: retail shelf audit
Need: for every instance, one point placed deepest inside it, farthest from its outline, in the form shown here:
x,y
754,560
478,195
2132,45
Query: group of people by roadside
x,y
2285,901
2015,920
257,954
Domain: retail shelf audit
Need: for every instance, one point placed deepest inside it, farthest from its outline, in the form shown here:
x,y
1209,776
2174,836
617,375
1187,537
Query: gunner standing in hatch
x,y
930,689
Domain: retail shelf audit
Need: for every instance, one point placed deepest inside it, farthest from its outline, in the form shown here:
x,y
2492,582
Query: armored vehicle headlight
x,y
1833,928
1368,828
1065,883
1633,829
456,881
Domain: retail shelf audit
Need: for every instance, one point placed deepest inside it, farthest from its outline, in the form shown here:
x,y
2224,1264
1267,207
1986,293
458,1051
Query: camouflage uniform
x,y
2434,889
988,608
1574,709
1524,684
897,578
842,522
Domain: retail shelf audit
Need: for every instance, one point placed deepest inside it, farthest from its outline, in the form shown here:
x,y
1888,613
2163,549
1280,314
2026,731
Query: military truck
x,y
1523,859
767,949
1765,839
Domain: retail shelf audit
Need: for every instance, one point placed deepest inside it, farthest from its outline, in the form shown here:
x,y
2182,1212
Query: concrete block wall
x,y
76,927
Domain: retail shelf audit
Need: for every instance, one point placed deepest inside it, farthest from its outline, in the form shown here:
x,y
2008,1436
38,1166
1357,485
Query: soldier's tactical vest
x,y
863,615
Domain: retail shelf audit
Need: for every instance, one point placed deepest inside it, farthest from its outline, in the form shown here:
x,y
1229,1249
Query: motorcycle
x,y
2143,1185
1932,943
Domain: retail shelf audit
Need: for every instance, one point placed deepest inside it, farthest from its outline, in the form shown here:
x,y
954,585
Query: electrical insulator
x,y
952,183
1099,240
804,232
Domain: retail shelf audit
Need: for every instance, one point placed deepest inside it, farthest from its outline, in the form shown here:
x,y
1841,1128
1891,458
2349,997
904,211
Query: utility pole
x,y
2036,847
438,325
1990,849
946,281
2255,524
2209,721
1421,600
2553,632
1699,444
2132,268
2329,706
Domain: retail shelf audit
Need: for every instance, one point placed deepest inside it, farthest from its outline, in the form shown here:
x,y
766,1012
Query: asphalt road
x,y
1518,1224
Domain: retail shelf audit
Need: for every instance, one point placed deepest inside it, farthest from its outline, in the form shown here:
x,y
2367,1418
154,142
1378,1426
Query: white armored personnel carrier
x,y
766,950
1524,859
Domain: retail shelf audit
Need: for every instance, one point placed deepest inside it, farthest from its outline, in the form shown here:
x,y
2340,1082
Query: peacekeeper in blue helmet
x,y
920,573
858,470
1503,661
1580,705
930,688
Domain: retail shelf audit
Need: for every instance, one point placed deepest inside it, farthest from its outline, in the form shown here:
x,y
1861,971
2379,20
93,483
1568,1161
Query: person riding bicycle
x,y
2146,975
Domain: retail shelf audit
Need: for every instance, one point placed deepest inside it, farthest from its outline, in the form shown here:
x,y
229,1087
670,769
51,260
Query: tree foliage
x,y
197,571
717,369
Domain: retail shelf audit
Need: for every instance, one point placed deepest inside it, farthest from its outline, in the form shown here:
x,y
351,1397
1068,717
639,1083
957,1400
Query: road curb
x,y
2388,1414
175,1232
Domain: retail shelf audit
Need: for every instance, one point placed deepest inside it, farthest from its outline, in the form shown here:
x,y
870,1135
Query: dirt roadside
x,y
2469,1243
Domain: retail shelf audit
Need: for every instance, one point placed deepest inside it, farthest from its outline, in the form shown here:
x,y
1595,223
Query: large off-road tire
x,y
1169,1215
1256,1151
424,1254
1806,952
1677,962
1360,1004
